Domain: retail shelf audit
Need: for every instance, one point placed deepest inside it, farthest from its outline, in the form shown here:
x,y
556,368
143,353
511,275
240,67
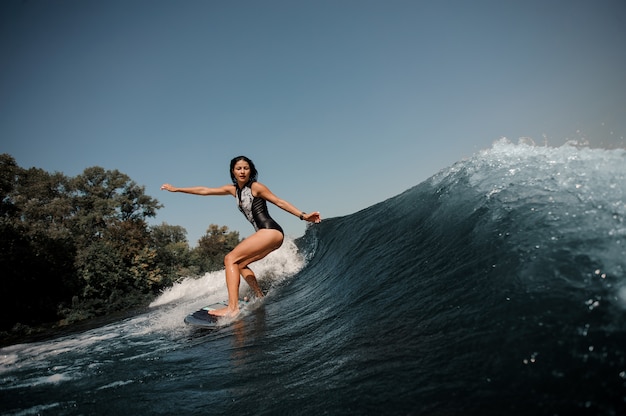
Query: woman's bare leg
x,y
250,278
253,248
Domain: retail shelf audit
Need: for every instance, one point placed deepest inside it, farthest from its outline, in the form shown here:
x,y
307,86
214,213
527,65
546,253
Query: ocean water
x,y
497,286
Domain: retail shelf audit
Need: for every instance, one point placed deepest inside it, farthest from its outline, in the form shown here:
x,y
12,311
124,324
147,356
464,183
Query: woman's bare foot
x,y
224,312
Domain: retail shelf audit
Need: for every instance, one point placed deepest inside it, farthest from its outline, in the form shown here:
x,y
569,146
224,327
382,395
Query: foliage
x,y
75,248
213,246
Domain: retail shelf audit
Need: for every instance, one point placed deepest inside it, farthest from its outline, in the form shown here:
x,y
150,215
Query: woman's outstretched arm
x,y
264,192
201,190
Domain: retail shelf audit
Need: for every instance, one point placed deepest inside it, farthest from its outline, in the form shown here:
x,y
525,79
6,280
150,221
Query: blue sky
x,y
341,104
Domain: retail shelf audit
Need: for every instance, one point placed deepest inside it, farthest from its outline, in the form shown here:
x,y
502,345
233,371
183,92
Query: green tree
x,y
173,255
213,247
36,250
8,180
79,247
104,197
108,222
165,234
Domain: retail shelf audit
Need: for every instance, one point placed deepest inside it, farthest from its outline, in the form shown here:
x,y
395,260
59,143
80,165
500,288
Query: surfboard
x,y
203,319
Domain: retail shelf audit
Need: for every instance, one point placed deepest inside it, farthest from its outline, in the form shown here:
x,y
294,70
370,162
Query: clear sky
x,y
340,103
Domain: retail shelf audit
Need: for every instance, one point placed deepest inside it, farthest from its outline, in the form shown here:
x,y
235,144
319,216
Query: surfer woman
x,y
251,199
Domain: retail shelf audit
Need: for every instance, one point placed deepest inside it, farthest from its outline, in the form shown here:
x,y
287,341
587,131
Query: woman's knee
x,y
229,259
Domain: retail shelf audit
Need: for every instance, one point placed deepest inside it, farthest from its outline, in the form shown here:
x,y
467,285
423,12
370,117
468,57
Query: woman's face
x,y
242,172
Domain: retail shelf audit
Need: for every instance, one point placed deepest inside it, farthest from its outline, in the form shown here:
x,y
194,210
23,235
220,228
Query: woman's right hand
x,y
168,187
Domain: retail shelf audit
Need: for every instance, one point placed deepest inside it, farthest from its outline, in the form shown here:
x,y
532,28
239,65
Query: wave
x,y
496,286
503,273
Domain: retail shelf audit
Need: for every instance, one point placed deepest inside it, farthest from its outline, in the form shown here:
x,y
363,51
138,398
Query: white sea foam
x,y
276,266
115,384
55,378
191,293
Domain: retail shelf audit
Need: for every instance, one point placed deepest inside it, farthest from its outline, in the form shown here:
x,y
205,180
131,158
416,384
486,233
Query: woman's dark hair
x,y
254,174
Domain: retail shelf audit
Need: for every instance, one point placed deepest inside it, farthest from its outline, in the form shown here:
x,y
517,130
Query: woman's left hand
x,y
313,217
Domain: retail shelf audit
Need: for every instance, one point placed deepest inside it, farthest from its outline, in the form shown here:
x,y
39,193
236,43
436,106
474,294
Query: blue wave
x,y
499,283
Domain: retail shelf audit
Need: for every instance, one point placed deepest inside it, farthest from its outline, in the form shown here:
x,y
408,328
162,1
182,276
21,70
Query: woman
x,y
251,198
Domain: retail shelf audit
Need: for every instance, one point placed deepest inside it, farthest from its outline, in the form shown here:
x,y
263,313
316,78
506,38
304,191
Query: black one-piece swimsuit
x,y
255,210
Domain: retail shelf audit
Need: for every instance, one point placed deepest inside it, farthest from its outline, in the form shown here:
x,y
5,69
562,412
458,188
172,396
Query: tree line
x,y
73,248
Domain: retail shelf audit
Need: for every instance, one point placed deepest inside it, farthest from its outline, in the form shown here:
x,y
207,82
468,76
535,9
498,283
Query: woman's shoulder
x,y
257,186
258,189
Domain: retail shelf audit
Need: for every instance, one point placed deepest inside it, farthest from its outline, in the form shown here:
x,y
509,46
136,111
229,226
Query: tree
x,y
173,255
109,228
8,180
213,247
73,248
165,234
36,250
102,198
